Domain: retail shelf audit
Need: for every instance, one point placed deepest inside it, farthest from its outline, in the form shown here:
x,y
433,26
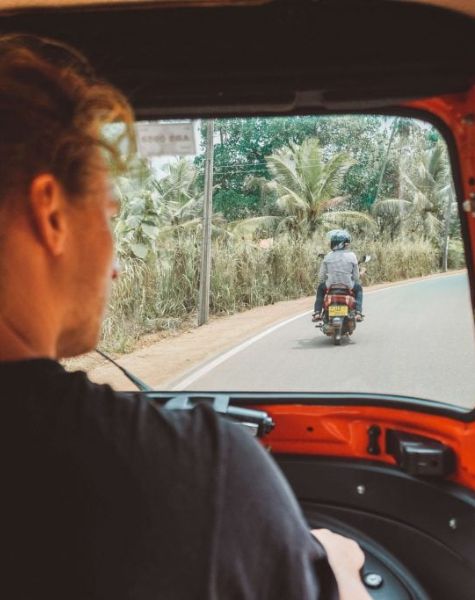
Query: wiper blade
x,y
258,422
143,387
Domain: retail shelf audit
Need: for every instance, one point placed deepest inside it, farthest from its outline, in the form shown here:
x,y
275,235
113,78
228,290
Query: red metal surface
x,y
342,431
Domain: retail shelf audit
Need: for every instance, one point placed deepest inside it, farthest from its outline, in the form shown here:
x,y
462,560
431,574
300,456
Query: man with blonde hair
x,y
105,496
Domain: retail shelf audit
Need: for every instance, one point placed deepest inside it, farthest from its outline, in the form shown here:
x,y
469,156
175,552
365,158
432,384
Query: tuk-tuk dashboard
x,y
388,478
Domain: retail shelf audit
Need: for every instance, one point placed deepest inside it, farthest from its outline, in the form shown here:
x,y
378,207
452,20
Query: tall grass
x,y
400,259
163,293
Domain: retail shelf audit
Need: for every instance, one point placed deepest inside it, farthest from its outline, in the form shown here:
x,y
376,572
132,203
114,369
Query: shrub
x,y
456,257
162,292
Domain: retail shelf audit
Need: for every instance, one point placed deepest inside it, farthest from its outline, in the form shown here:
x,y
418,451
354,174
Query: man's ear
x,y
48,207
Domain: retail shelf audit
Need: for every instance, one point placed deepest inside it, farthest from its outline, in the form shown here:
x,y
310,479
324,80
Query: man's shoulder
x,y
140,481
140,417
351,256
42,393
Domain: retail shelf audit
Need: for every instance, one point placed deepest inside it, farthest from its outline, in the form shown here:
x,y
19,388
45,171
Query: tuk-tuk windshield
x,y
276,191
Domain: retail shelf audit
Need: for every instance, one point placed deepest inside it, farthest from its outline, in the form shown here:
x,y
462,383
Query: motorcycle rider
x,y
340,266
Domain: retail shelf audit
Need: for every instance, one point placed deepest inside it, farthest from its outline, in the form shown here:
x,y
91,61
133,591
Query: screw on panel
x,y
373,580
453,523
360,489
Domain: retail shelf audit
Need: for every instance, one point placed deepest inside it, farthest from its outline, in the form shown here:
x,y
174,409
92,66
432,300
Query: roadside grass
x,y
161,295
399,260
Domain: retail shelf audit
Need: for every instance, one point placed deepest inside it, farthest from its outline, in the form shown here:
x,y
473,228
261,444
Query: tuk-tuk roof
x,y
464,6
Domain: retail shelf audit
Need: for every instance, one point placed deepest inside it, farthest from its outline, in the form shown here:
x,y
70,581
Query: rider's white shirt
x,y
339,266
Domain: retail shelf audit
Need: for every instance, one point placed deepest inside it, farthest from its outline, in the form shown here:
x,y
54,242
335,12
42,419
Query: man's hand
x,y
346,559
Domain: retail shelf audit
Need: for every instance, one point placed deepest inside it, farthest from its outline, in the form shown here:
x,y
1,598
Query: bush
x,y
163,293
398,260
456,256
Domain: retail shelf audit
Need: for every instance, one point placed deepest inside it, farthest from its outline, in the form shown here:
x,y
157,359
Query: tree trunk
x,y
386,158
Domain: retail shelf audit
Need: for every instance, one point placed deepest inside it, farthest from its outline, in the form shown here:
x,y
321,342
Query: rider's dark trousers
x,y
321,295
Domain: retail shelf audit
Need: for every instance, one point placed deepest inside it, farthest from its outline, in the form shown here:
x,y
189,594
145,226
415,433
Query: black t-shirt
x,y
105,496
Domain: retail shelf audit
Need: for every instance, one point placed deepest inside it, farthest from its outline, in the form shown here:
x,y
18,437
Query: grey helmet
x,y
339,238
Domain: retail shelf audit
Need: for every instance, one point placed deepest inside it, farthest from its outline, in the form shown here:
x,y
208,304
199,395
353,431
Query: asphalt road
x,y
417,340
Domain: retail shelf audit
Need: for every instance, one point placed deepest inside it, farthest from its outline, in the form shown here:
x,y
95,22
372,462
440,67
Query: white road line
x,y
184,383
399,285
223,357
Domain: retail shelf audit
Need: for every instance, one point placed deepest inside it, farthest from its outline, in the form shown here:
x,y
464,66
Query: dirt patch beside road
x,y
164,361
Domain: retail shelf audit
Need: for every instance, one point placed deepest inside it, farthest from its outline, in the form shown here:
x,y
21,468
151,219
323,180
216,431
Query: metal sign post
x,y
203,307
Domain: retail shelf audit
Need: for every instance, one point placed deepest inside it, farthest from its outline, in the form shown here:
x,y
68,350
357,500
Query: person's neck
x,y
15,345
30,299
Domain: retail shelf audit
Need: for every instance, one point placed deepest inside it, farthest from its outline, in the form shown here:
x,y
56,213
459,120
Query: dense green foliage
x,y
243,145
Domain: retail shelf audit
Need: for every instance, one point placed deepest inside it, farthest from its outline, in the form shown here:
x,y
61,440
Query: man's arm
x,y
322,275
356,271
346,559
263,548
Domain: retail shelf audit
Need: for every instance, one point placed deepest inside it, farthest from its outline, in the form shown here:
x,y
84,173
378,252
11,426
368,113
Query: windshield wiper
x,y
258,422
143,387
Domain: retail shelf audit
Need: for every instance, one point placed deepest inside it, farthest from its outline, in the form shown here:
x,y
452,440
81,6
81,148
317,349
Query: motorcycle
x,y
339,310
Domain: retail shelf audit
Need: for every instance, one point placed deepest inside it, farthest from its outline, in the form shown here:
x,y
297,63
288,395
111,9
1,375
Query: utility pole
x,y
203,308
446,231
386,157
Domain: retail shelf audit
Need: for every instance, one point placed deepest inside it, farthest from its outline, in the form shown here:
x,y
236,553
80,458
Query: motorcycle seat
x,y
340,290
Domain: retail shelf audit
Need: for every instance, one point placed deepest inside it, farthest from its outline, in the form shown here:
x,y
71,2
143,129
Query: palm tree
x,y
429,184
434,196
157,210
179,191
391,215
306,187
142,211
428,197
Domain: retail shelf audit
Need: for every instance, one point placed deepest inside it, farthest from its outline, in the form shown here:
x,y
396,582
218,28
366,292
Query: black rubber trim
x,y
428,568
429,527
439,509
399,581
